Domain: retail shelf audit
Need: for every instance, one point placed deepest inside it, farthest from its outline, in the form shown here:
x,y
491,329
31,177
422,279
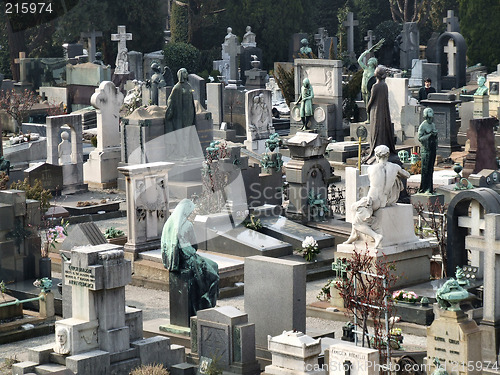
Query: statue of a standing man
x,y
368,72
427,135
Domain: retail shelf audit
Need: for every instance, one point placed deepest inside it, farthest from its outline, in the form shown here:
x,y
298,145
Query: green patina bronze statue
x,y
179,256
427,135
305,49
482,89
450,295
180,112
368,72
305,100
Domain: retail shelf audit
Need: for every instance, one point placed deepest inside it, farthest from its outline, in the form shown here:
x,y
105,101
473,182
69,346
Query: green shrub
x,y
180,22
112,232
93,141
36,192
181,55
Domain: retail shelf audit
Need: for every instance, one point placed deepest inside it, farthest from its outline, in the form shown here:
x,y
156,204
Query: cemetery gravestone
x,y
199,89
432,71
135,64
258,118
349,23
410,44
398,98
214,102
91,42
100,170
345,358
147,205
274,310
482,151
50,175
122,58
225,333
325,77
294,45
445,119
453,71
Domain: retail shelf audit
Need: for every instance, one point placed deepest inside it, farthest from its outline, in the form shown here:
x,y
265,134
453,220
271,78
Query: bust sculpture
x,y
64,149
482,89
427,135
179,256
249,37
305,49
62,341
385,186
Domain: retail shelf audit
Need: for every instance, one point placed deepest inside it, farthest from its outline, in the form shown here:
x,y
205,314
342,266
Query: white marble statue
x,y
385,186
122,62
64,149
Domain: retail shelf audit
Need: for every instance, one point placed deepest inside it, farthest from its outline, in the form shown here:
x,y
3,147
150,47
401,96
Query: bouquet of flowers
x,y
52,235
309,249
403,295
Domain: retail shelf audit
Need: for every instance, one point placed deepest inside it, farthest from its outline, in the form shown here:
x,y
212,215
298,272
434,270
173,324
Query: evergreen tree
x,y
478,21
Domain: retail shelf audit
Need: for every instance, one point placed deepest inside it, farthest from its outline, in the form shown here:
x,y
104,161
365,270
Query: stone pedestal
x,y
481,106
350,359
294,353
482,151
426,199
455,340
100,170
400,245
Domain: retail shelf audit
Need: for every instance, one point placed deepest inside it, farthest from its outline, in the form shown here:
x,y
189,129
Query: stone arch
x,y
459,206
54,124
460,61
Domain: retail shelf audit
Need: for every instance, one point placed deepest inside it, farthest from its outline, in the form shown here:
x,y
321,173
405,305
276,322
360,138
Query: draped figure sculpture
x,y
179,256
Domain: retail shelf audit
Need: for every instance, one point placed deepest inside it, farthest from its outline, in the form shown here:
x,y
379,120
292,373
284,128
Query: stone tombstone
x,y
493,84
325,77
294,353
24,63
204,126
355,360
199,86
100,169
274,310
91,42
150,58
225,333
50,175
321,39
294,45
349,23
453,66
233,97
135,64
214,102
482,151
18,262
103,336
246,58
276,94
455,340
258,116
416,79
228,65
452,25
73,50
410,45
398,98
432,71
122,57
308,172
72,170
147,204
445,119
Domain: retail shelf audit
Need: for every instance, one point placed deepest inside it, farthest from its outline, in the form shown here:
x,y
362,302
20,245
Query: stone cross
x,y
451,51
370,37
320,39
490,245
91,36
107,99
121,38
350,23
233,49
451,22
23,63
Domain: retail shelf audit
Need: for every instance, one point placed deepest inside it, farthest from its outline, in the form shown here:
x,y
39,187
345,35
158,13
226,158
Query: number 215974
x,y
25,8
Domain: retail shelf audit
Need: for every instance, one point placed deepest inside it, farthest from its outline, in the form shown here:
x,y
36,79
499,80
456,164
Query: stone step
x,y
49,368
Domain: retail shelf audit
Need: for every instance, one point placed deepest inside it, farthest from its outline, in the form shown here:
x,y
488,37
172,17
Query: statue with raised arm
x,y
368,72
385,186
427,135
179,256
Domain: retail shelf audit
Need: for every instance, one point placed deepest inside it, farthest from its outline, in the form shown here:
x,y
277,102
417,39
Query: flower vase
x,y
45,267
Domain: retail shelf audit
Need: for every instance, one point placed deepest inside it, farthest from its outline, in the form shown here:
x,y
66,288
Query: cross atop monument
x,y
23,66
320,39
91,37
349,23
232,48
451,22
370,37
121,38
490,245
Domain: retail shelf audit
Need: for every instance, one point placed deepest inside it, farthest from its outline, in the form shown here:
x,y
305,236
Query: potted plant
x,y
396,334
115,236
405,296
